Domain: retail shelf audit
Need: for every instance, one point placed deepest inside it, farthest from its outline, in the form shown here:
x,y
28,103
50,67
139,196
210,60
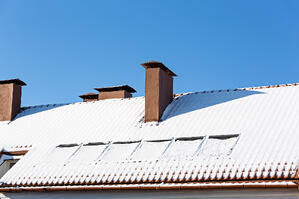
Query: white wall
x,y
190,194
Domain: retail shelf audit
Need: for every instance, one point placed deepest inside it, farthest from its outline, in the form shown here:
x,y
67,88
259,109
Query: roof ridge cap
x,y
271,86
44,105
239,89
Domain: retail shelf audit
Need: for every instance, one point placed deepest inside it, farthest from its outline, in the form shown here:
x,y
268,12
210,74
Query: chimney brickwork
x,y
10,98
114,94
158,89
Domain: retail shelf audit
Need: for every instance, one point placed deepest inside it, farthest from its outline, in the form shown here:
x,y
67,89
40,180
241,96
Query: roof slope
x,y
241,134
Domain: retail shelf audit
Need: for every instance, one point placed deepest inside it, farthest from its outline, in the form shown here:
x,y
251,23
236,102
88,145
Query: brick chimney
x,y
158,89
10,98
124,91
89,97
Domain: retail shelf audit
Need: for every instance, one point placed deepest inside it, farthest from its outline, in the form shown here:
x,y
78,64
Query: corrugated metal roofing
x,y
171,161
266,120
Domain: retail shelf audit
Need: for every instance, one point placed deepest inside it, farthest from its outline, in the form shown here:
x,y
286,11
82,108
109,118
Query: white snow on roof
x,y
169,161
264,112
267,120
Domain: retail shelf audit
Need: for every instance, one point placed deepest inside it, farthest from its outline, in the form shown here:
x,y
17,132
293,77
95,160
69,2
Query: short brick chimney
x,y
124,91
89,97
10,98
158,89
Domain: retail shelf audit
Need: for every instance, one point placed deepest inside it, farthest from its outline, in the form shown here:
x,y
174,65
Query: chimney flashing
x,y
14,81
155,64
117,88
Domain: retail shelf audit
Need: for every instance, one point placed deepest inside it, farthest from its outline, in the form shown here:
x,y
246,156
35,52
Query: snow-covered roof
x,y
226,135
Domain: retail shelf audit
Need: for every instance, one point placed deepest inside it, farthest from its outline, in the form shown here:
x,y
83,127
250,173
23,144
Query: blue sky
x,y
62,49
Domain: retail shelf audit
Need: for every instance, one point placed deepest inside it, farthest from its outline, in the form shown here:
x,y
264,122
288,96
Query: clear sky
x,y
64,48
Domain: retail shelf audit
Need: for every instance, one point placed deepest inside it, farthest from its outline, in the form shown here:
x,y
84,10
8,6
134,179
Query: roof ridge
x,y
180,94
240,89
272,86
44,105
72,103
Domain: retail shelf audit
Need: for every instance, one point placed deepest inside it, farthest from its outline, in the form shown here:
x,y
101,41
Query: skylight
x,y
149,151
175,148
182,149
217,147
119,152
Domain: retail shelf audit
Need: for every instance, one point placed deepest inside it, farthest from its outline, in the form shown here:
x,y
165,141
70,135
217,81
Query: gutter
x,y
162,186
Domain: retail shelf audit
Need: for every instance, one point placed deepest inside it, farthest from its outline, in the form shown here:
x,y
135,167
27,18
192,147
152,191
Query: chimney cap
x,y
155,64
117,88
15,81
89,96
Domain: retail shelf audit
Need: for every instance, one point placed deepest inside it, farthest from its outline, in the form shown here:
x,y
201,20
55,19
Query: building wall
x,y
291,193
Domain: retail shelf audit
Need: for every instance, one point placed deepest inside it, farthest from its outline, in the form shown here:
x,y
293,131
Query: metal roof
x,y
227,135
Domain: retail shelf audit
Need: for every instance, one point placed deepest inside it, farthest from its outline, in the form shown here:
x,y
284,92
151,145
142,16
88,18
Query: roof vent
x,y
10,98
123,91
158,89
88,97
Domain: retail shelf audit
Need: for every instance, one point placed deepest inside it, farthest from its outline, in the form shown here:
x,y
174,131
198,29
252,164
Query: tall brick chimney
x,y
10,98
124,91
158,89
